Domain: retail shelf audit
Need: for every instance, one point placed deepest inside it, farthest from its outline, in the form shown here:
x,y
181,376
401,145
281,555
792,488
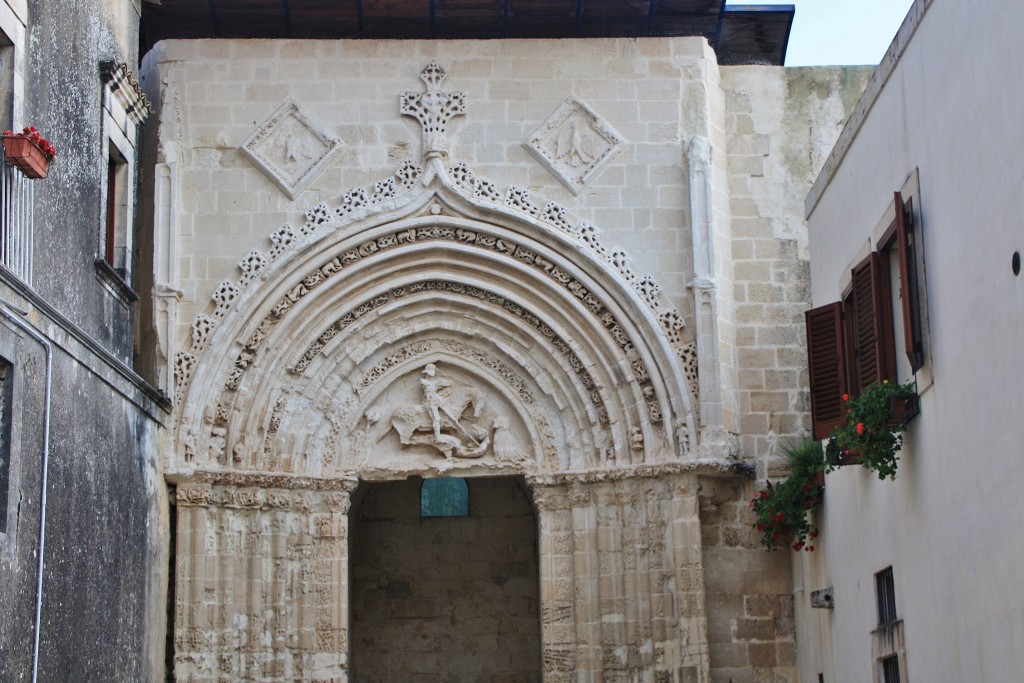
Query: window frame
x,y
123,109
864,348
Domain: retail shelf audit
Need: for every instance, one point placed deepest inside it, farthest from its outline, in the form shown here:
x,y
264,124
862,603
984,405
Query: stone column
x,y
557,608
261,579
621,578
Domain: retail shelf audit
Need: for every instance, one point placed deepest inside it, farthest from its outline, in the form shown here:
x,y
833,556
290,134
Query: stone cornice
x,y
707,467
262,480
127,91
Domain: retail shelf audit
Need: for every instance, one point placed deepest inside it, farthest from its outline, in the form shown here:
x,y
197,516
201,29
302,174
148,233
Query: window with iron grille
x,y
16,231
891,669
885,591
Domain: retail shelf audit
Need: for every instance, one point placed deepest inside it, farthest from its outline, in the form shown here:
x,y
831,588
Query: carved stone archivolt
x,y
592,366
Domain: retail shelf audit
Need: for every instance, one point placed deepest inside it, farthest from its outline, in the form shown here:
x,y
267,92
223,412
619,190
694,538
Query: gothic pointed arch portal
x,y
438,333
432,326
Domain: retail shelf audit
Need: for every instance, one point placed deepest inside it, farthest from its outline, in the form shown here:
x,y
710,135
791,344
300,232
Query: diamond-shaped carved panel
x,y
291,147
574,144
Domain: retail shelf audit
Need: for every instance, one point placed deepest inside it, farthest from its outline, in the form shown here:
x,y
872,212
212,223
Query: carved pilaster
x,y
261,580
705,295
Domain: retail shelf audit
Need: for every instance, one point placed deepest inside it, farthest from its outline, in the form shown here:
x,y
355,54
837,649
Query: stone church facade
x,y
571,272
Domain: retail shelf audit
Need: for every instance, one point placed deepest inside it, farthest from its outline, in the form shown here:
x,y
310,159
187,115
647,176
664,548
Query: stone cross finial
x,y
434,109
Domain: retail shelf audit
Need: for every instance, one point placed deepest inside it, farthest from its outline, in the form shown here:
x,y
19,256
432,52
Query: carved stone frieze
x,y
191,485
290,147
574,144
704,468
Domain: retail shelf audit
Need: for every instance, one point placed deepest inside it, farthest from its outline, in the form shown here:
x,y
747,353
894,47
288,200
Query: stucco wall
x,y
104,581
950,523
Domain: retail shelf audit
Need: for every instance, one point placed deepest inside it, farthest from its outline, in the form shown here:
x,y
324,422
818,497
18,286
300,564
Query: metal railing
x,y
16,234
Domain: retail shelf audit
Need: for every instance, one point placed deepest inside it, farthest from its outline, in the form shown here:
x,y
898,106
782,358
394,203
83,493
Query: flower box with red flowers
x,y
29,151
871,432
903,407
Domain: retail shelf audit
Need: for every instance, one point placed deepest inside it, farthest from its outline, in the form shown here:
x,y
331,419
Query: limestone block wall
x,y
782,124
751,627
214,94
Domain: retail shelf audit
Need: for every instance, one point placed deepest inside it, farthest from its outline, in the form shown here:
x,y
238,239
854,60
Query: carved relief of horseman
x,y
444,419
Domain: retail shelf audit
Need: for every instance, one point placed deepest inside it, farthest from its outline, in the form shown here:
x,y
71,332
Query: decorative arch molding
x,y
418,266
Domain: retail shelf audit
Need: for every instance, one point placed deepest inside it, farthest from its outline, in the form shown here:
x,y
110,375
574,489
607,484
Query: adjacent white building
x,y
939,123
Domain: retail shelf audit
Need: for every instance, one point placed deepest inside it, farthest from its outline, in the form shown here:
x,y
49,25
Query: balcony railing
x,y
15,221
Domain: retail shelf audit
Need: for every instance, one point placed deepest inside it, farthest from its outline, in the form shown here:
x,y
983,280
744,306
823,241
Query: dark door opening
x,y
451,598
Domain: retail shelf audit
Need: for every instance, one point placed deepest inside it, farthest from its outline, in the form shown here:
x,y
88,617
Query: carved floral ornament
x,y
449,193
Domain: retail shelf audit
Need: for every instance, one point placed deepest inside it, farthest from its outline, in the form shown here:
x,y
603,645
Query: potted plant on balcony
x,y
870,432
29,151
781,509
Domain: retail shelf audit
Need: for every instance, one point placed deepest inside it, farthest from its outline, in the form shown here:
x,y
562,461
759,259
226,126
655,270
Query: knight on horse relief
x,y
445,419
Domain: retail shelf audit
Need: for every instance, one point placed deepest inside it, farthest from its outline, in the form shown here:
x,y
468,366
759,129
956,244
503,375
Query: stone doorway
x,y
451,598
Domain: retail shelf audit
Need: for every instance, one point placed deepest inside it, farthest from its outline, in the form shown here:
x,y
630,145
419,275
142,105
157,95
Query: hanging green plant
x,y
781,509
871,434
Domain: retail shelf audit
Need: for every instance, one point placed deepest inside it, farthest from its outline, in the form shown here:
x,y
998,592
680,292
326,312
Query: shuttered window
x,y
910,296
873,351
827,367
852,344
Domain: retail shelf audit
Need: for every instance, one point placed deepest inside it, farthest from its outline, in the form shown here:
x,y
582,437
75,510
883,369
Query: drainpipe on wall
x,y
8,312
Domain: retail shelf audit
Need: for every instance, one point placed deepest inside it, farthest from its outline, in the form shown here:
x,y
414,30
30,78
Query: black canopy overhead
x,y
740,34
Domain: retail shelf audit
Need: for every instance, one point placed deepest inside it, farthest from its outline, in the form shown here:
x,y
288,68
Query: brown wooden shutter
x,y
872,324
909,292
827,367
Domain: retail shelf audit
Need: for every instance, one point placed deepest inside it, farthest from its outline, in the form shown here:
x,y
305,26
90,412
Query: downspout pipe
x,y
8,311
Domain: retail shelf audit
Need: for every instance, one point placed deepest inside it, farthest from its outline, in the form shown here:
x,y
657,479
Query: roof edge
x,y
866,102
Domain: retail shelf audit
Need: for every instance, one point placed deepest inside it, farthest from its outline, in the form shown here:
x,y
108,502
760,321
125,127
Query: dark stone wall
x,y
106,530
18,563
66,43
104,587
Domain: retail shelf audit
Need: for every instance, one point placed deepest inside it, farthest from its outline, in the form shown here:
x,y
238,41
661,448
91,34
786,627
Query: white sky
x,y
840,31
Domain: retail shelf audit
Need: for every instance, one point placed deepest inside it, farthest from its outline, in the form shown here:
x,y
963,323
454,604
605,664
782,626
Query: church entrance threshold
x,y
453,597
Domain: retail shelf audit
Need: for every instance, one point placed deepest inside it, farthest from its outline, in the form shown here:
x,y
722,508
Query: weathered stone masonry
x,y
456,282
